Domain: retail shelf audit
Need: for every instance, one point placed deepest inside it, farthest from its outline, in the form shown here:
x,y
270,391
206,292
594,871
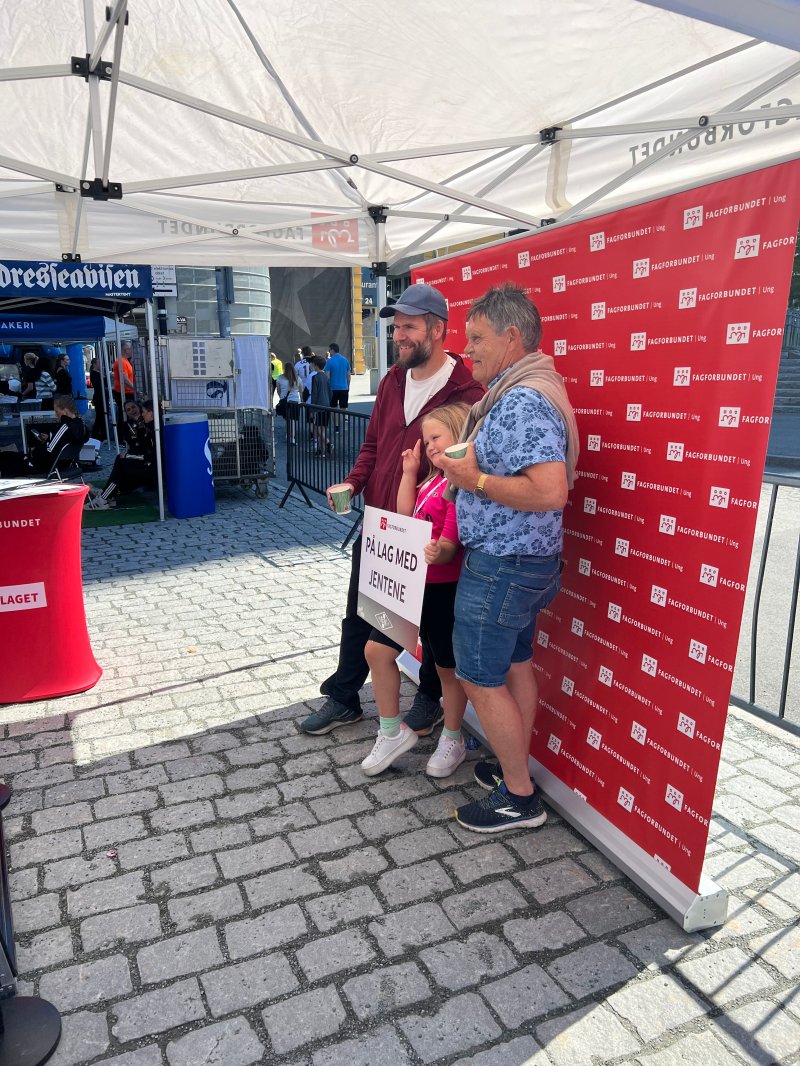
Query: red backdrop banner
x,y
666,322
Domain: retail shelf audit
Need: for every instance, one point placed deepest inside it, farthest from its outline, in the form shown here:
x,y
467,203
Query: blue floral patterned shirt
x,y
523,428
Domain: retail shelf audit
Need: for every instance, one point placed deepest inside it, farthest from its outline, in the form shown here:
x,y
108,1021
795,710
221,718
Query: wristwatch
x,y
479,489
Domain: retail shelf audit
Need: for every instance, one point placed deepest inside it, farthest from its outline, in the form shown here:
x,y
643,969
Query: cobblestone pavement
x,y
196,882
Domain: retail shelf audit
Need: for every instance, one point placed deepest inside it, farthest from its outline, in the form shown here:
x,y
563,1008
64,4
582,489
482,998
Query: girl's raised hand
x,y
432,551
411,459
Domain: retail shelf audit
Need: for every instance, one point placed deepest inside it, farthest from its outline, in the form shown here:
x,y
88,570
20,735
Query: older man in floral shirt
x,y
513,486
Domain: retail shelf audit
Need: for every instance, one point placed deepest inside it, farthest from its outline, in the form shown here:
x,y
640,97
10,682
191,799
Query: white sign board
x,y
393,569
164,283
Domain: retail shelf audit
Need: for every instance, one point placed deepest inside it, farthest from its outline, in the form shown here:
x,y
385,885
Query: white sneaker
x,y
387,749
448,756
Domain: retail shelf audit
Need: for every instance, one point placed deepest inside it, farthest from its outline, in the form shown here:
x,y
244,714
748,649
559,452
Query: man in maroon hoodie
x,y
423,377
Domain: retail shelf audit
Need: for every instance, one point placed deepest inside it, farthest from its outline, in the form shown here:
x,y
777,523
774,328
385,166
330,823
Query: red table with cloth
x,y
43,636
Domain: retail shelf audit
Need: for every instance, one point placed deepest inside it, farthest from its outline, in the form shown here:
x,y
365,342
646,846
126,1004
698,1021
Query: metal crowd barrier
x,y
30,1027
318,459
242,443
749,704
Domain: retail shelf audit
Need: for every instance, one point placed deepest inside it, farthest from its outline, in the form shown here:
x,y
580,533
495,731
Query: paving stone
x,y
725,975
251,936
195,788
585,1037
387,989
250,777
780,949
522,996
760,1032
324,839
243,803
599,866
591,969
160,753
387,823
548,933
518,1052
420,845
348,803
608,910
290,816
220,836
754,791
281,886
481,862
461,1024
306,765
332,954
413,883
84,1036
440,808
555,880
146,1056
308,787
266,855
185,876
158,1011
656,1006
131,925
156,849
365,862
179,956
247,984
23,883
182,816
228,1043
41,912
50,775
135,779
660,944
115,831
340,908
206,907
86,983
456,965
414,927
77,871
300,1019
551,841
46,848
46,949
252,754
119,806
699,1049
378,1046
735,872
51,821
193,766
401,789
487,903
109,894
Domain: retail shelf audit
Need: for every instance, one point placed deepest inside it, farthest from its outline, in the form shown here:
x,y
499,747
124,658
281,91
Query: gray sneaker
x,y
425,714
330,715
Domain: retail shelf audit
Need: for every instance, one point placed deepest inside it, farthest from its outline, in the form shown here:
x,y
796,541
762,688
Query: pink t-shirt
x,y
432,507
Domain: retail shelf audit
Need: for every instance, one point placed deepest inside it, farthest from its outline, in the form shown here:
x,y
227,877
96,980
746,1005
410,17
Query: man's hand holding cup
x,y
339,497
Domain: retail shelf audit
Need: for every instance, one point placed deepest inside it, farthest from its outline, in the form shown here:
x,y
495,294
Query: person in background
x,y
288,387
321,397
47,443
274,374
305,371
63,376
98,400
338,370
132,428
28,375
122,378
45,385
133,470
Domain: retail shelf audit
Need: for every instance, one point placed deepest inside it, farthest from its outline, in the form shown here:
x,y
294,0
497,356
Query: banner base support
x,y
704,909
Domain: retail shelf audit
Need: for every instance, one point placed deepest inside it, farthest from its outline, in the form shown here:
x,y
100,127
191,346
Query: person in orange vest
x,y
122,377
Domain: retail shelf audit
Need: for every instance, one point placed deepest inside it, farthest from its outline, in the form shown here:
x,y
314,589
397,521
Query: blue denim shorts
x,y
497,602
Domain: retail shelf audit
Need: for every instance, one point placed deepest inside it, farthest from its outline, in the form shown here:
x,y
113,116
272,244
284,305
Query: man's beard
x,y
420,353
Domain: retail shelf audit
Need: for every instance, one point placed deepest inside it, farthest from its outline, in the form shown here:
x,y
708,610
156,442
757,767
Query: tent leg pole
x,y
156,406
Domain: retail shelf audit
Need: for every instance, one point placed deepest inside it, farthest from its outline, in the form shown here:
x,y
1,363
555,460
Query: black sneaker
x,y
497,812
488,774
425,714
331,715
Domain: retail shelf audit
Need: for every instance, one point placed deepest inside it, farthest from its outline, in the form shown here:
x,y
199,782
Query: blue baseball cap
x,y
418,300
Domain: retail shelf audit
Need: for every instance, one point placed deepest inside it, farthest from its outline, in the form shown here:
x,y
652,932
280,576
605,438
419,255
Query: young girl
x,y
440,429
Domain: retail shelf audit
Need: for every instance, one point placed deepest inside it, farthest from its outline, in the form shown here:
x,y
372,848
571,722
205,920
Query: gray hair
x,y
509,305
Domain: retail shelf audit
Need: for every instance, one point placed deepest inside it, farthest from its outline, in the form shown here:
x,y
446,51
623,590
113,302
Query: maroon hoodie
x,y
379,467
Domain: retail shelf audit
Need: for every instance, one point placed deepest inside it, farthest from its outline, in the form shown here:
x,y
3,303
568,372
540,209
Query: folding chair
x,y
68,454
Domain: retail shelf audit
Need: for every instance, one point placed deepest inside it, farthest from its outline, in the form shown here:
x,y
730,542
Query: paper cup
x,y
341,501
456,451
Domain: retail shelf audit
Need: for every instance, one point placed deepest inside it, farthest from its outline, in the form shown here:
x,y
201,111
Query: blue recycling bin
x,y
187,458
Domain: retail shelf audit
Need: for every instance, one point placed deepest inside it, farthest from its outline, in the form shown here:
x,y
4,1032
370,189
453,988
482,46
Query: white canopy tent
x,y
236,132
